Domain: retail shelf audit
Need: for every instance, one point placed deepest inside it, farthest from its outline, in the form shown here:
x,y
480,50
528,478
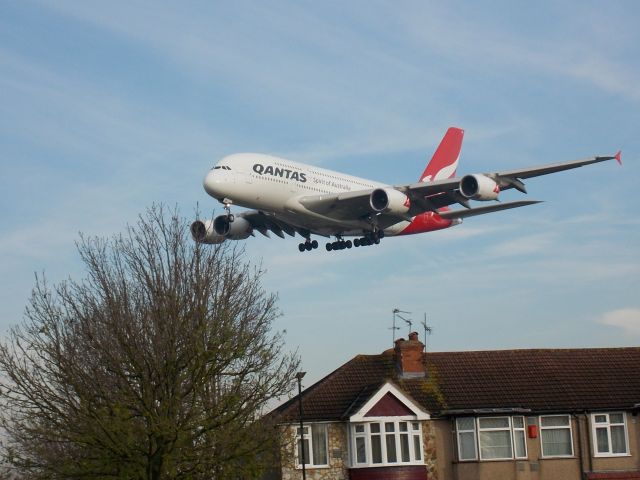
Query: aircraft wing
x,y
432,196
447,192
265,223
496,207
557,167
339,206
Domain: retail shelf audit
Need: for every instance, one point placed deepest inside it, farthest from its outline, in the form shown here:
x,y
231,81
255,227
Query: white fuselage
x,y
273,184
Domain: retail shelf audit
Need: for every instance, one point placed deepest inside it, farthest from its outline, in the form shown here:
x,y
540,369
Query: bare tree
x,y
157,365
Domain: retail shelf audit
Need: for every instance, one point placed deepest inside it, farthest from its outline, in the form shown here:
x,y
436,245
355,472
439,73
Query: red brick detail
x,y
413,472
389,406
614,475
409,355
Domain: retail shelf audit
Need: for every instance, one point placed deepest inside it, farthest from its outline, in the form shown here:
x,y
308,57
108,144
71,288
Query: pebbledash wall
x,y
584,402
338,456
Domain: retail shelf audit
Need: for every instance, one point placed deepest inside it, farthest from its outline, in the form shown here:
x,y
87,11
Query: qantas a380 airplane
x,y
289,197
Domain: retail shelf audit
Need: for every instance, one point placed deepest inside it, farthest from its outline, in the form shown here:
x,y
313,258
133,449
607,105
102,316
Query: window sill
x,y
485,460
611,455
386,465
560,457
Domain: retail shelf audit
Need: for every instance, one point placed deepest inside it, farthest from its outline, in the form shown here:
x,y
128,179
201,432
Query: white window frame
x,y
477,430
412,433
308,451
520,430
568,427
482,429
597,425
475,440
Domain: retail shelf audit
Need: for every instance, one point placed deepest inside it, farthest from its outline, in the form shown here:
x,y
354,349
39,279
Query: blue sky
x,y
107,107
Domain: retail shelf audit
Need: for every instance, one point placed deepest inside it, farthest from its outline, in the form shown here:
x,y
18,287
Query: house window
x,y
609,434
494,434
466,428
392,442
519,437
555,436
498,438
315,446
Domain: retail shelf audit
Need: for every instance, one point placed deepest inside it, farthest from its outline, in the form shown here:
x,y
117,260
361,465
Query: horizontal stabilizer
x,y
451,214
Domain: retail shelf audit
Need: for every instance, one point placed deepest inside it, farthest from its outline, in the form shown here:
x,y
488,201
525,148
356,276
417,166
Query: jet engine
x,y
479,187
389,200
203,232
239,229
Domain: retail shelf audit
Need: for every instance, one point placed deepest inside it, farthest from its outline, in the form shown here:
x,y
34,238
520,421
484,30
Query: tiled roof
x,y
542,380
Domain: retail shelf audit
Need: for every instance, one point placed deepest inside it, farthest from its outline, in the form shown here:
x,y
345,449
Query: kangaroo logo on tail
x,y
444,162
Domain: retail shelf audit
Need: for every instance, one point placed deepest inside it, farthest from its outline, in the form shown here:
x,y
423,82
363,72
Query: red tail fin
x,y
444,162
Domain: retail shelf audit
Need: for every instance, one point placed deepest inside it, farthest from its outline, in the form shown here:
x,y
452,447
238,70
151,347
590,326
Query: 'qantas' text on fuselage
x,y
260,169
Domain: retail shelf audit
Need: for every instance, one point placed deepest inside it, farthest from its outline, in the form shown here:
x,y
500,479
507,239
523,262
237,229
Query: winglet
x,y
618,157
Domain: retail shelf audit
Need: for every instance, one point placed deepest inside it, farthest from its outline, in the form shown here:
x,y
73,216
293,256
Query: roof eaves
x,y
482,411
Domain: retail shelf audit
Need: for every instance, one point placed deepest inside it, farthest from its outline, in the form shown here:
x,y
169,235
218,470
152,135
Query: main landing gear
x,y
308,245
338,245
371,238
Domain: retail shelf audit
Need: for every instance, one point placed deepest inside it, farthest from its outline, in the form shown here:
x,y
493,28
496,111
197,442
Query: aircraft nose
x,y
211,183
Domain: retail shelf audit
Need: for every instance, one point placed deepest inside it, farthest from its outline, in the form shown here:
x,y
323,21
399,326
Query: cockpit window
x,y
223,167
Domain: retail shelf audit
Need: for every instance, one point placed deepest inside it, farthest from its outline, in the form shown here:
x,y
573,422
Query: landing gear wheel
x,y
329,247
227,208
308,245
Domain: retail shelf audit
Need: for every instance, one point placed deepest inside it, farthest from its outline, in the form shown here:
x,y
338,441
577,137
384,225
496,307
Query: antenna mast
x,y
395,312
427,331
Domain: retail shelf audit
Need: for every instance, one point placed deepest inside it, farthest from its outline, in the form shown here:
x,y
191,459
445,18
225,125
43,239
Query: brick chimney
x,y
409,357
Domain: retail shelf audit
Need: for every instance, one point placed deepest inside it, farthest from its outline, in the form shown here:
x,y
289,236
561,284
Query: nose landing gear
x,y
227,208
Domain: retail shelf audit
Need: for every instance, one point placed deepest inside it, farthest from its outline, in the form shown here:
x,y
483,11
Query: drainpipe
x,y
580,459
299,376
586,416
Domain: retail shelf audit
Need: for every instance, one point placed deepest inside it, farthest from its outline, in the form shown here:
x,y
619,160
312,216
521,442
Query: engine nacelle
x,y
203,232
239,229
389,200
479,187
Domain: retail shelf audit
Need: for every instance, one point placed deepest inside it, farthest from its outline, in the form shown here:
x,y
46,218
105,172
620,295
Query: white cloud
x,y
627,318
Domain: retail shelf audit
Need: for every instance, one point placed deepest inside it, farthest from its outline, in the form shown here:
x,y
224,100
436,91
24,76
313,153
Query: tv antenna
x,y
427,331
396,312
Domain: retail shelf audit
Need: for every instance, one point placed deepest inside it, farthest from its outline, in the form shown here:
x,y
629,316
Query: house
x,y
486,415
